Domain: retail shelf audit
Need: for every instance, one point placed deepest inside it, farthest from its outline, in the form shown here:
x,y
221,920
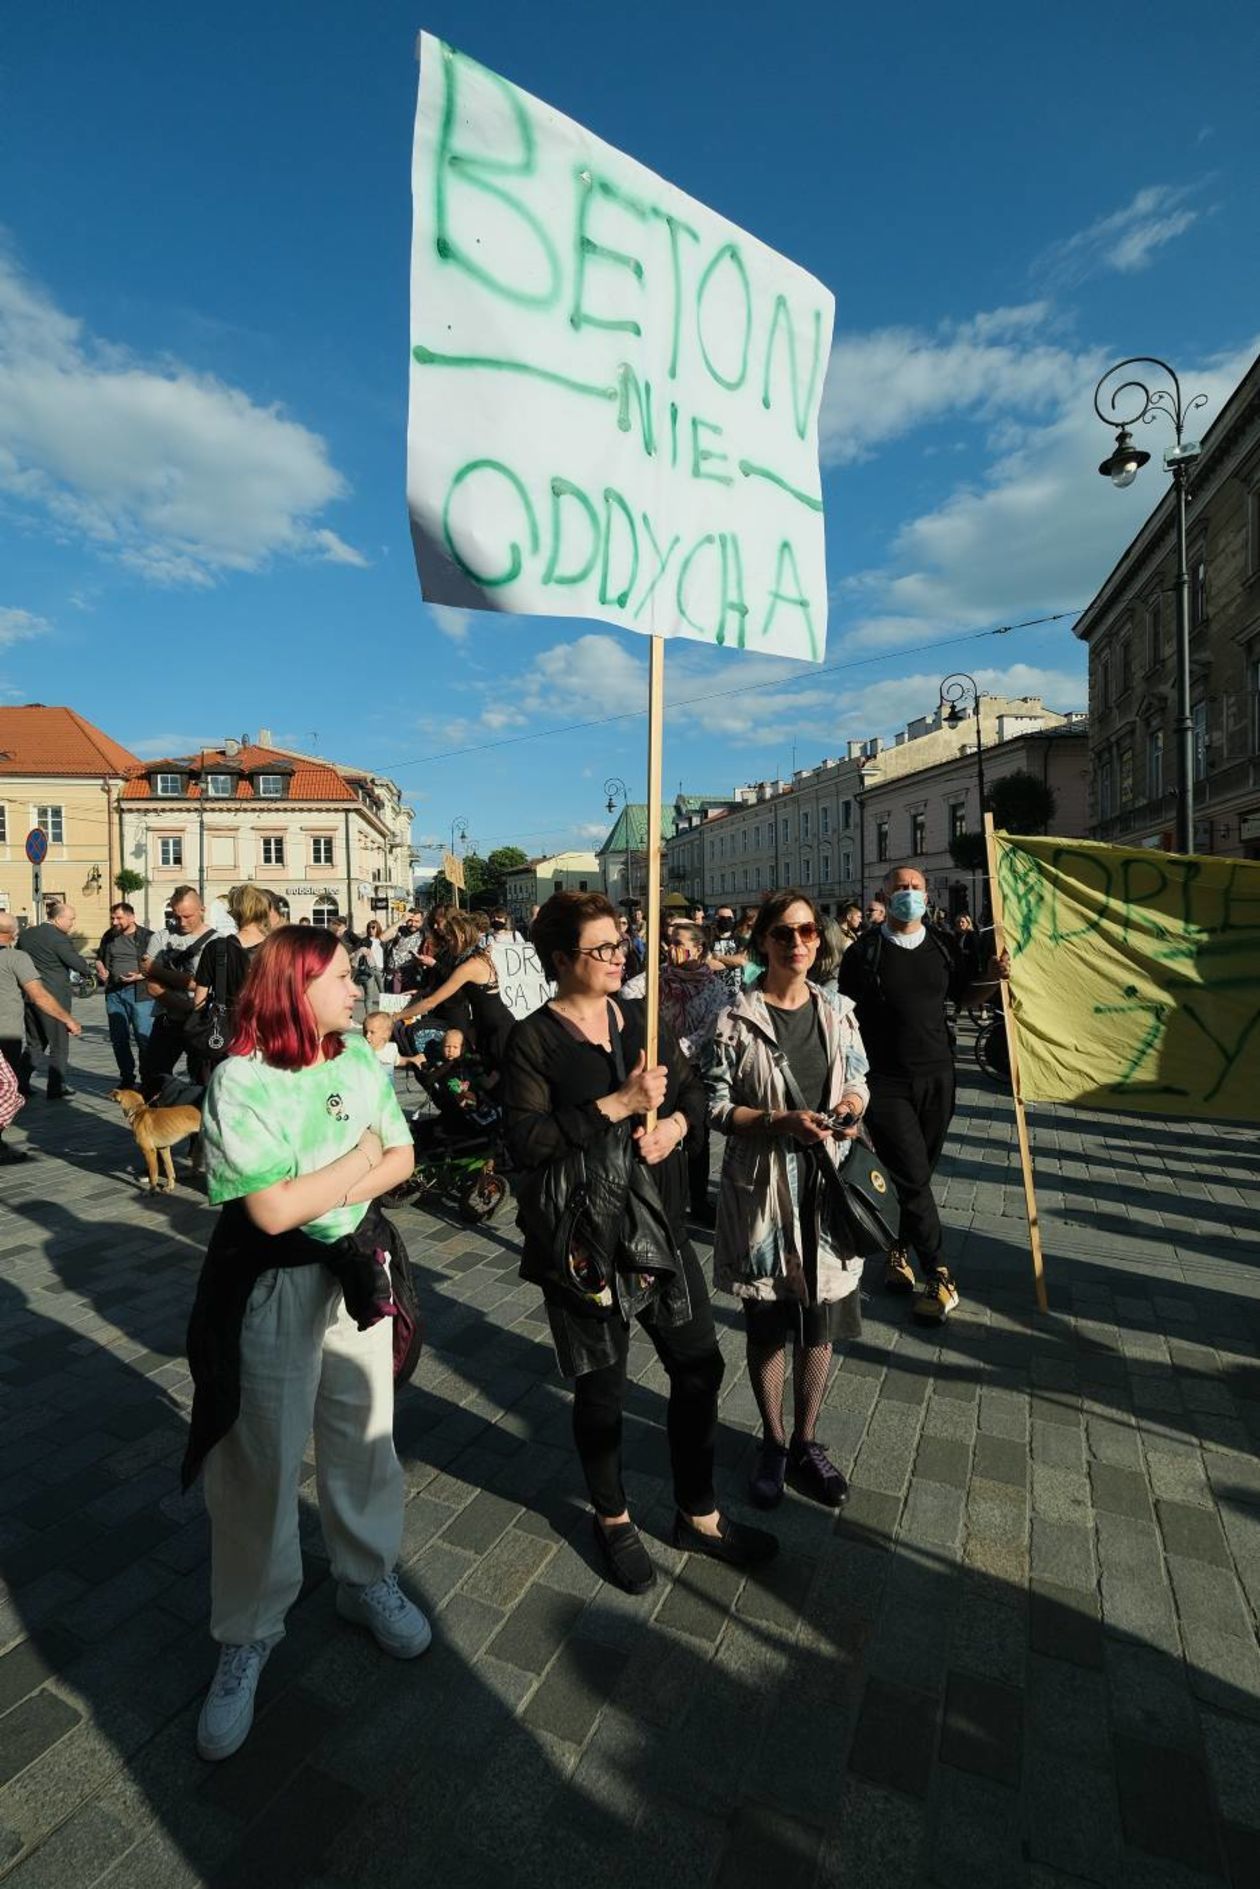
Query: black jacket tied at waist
x,y
238,1255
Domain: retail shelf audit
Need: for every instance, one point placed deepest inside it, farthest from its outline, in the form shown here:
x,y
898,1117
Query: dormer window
x,y
168,786
271,786
221,786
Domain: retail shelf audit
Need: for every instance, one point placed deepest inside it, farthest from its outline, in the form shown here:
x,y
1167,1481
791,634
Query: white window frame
x,y
271,786
171,850
268,843
324,913
51,820
1155,764
162,786
918,834
322,850
4,825
219,786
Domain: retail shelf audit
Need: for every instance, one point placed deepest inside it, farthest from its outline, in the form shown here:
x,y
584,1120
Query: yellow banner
x,y
453,869
1135,976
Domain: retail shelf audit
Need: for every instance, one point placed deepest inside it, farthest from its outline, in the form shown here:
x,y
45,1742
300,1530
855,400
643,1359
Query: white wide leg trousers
x,y
304,1367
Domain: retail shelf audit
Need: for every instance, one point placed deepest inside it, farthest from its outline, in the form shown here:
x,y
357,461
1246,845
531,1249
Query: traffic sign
x,y
37,846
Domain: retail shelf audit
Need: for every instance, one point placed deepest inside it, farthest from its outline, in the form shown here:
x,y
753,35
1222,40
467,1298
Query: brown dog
x,y
156,1131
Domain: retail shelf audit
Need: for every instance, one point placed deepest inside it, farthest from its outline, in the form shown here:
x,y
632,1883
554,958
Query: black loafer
x,y
735,1543
626,1560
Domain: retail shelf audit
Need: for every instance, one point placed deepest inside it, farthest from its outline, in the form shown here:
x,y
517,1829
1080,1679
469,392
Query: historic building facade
x,y
1129,629
62,774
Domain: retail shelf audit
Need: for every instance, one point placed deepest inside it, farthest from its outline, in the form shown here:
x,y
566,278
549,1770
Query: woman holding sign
x,y
602,1205
470,990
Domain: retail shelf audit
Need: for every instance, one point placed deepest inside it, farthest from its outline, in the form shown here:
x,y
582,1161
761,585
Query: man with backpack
x,y
901,973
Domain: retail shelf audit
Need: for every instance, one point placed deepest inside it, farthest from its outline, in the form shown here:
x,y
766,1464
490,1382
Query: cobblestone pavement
x,y
1025,1654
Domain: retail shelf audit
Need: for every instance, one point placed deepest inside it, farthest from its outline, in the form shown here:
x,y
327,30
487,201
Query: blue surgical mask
x,y
908,904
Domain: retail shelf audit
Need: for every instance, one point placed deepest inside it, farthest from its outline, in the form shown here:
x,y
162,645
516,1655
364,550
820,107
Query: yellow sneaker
x,y
937,1299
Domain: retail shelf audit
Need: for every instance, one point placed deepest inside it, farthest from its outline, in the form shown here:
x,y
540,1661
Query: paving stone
x,y
1064,1623
1063,1552
943,1462
480,1523
982,1728
502,1574
1150,1696
577,1687
1166,1804
1193,1533
1209,1596
869,1516
895,1738
1120,1491
764,1844
31,1728
700,1600
1001,1459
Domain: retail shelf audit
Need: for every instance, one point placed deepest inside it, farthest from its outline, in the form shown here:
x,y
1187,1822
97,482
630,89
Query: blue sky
x,y
204,251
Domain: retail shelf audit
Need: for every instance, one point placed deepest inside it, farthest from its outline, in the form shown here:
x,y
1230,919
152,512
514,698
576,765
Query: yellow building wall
x,y
80,867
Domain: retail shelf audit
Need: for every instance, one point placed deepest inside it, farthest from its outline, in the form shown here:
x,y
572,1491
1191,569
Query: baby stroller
x,y
459,1148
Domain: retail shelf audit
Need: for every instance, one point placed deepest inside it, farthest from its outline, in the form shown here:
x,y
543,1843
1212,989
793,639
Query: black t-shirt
x,y
901,1008
222,966
801,1040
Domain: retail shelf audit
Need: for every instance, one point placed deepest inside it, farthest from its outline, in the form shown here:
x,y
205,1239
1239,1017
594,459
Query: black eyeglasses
x,y
606,953
788,934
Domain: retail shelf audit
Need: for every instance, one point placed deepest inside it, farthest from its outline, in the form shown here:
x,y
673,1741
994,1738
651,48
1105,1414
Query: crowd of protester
x,y
788,1034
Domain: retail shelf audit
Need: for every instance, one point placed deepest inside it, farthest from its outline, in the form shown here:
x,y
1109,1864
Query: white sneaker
x,y
228,1712
395,1623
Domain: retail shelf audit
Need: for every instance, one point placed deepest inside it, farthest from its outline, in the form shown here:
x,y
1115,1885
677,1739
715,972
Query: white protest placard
x,y
523,984
614,391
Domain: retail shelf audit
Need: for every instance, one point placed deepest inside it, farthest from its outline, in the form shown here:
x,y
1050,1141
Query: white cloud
x,y
19,626
1038,532
160,747
1126,240
884,384
175,474
451,622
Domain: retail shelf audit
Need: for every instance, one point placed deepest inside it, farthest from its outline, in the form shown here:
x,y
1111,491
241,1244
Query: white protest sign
x,y
523,984
614,391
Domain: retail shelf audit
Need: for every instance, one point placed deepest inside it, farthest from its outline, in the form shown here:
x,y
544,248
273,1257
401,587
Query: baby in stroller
x,y
459,1147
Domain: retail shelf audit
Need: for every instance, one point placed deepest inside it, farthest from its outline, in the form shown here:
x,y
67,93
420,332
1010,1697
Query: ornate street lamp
x,y
460,821
954,692
615,789
1122,467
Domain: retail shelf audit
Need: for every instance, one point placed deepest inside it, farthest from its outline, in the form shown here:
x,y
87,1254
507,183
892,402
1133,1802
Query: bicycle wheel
x,y
992,1054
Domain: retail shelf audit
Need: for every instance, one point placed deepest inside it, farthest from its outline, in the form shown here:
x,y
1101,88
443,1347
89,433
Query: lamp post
x,y
1122,467
460,821
615,789
954,690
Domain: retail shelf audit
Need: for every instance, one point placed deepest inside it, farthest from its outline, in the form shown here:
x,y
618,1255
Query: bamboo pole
x,y
1012,1050
656,734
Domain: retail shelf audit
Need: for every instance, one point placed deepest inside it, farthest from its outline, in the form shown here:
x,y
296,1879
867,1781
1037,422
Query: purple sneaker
x,y
766,1484
815,1475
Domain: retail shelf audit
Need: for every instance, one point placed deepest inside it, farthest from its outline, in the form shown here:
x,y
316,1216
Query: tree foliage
x,y
128,881
1021,803
967,851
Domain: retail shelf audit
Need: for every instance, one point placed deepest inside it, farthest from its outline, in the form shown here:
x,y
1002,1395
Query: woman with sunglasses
x,y
576,1074
787,1086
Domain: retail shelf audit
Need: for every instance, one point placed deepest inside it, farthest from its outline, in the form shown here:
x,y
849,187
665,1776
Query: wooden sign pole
x,y
1012,1050
656,734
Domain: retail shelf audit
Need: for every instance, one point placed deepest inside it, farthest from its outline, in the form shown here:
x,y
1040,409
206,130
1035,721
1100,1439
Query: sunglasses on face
x,y
788,934
606,953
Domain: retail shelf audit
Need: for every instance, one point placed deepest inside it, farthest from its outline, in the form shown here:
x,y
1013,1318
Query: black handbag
x,y
859,1201
206,1030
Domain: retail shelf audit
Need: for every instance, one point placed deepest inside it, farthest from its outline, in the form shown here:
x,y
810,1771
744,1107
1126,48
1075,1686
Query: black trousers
x,y
160,1052
694,1364
698,1174
46,1036
908,1120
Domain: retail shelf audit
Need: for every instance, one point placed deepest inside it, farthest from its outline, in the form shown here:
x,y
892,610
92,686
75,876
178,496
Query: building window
x,y
1253,677
1253,532
1126,665
169,786
170,852
273,849
271,786
1126,777
957,819
49,821
743,840
846,814
807,868
1104,680
824,821
786,833
787,872
804,825
846,867
744,877
825,869
1105,808
881,839
918,833
324,913
756,878
321,850
1198,589
4,824
1199,734
220,786
1155,764
1154,633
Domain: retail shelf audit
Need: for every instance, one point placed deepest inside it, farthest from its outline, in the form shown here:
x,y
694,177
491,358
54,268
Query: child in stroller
x,y
459,1148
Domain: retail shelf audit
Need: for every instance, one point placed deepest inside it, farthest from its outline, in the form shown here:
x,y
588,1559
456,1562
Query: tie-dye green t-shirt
x,y
260,1125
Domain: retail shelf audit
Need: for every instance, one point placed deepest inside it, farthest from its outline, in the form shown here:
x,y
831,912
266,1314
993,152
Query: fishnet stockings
x,y
767,1372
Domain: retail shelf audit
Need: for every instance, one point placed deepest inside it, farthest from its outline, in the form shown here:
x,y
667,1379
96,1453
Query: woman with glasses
x,y
576,1077
787,1087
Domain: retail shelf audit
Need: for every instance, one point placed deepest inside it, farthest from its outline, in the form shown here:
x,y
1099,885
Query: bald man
x,y
20,987
49,948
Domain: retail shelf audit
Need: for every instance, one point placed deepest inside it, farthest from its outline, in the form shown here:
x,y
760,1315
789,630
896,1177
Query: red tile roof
x,y
308,780
39,740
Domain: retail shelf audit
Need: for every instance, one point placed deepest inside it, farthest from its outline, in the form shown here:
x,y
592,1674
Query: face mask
x,y
908,904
